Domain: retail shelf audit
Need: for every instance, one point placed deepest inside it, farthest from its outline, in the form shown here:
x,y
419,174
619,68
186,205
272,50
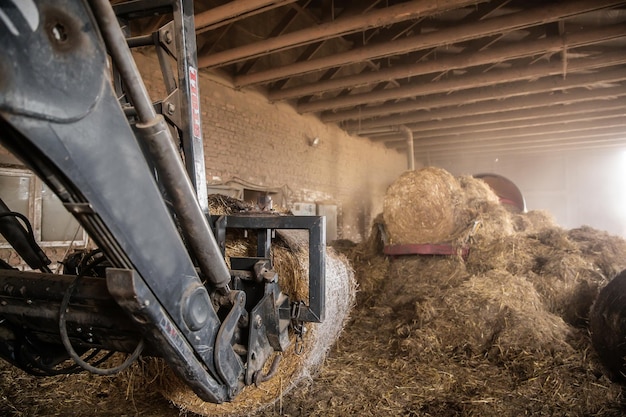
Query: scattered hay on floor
x,y
83,394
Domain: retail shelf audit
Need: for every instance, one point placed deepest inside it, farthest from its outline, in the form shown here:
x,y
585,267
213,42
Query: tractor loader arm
x,y
93,135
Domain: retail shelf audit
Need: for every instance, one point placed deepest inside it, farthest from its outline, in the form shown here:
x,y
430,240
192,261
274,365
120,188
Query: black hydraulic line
x,y
37,368
22,239
15,214
159,140
259,378
72,352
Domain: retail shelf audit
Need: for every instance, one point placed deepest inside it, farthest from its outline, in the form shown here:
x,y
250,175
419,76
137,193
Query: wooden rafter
x,y
394,14
488,56
490,107
446,70
504,24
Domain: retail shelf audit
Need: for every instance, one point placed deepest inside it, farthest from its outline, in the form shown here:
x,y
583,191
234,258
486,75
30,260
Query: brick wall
x,y
267,144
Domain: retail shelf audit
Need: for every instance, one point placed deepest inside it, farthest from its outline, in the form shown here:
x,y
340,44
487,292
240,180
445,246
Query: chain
x,y
298,327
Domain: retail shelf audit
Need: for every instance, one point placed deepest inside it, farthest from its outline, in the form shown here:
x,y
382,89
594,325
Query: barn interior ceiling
x,y
453,76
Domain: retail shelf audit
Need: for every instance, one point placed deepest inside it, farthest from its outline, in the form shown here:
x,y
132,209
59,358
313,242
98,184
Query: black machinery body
x,y
74,109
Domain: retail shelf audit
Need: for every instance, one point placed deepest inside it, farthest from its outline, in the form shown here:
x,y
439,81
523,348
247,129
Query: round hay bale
x,y
294,368
419,207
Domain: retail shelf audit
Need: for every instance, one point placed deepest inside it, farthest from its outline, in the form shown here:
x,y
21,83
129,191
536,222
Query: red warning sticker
x,y
195,102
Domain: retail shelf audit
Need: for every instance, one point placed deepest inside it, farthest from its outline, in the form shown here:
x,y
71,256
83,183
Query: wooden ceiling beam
x,y
522,136
412,58
494,26
391,34
519,103
574,139
279,29
476,122
313,48
463,60
481,11
599,141
505,91
583,136
480,80
340,27
526,125
517,89
233,11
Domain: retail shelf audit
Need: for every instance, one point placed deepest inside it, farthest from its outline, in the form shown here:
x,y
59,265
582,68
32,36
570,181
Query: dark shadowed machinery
x,y
74,109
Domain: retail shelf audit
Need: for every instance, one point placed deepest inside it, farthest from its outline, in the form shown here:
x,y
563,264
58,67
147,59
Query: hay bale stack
x,y
567,269
419,207
525,288
290,257
500,333
432,206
